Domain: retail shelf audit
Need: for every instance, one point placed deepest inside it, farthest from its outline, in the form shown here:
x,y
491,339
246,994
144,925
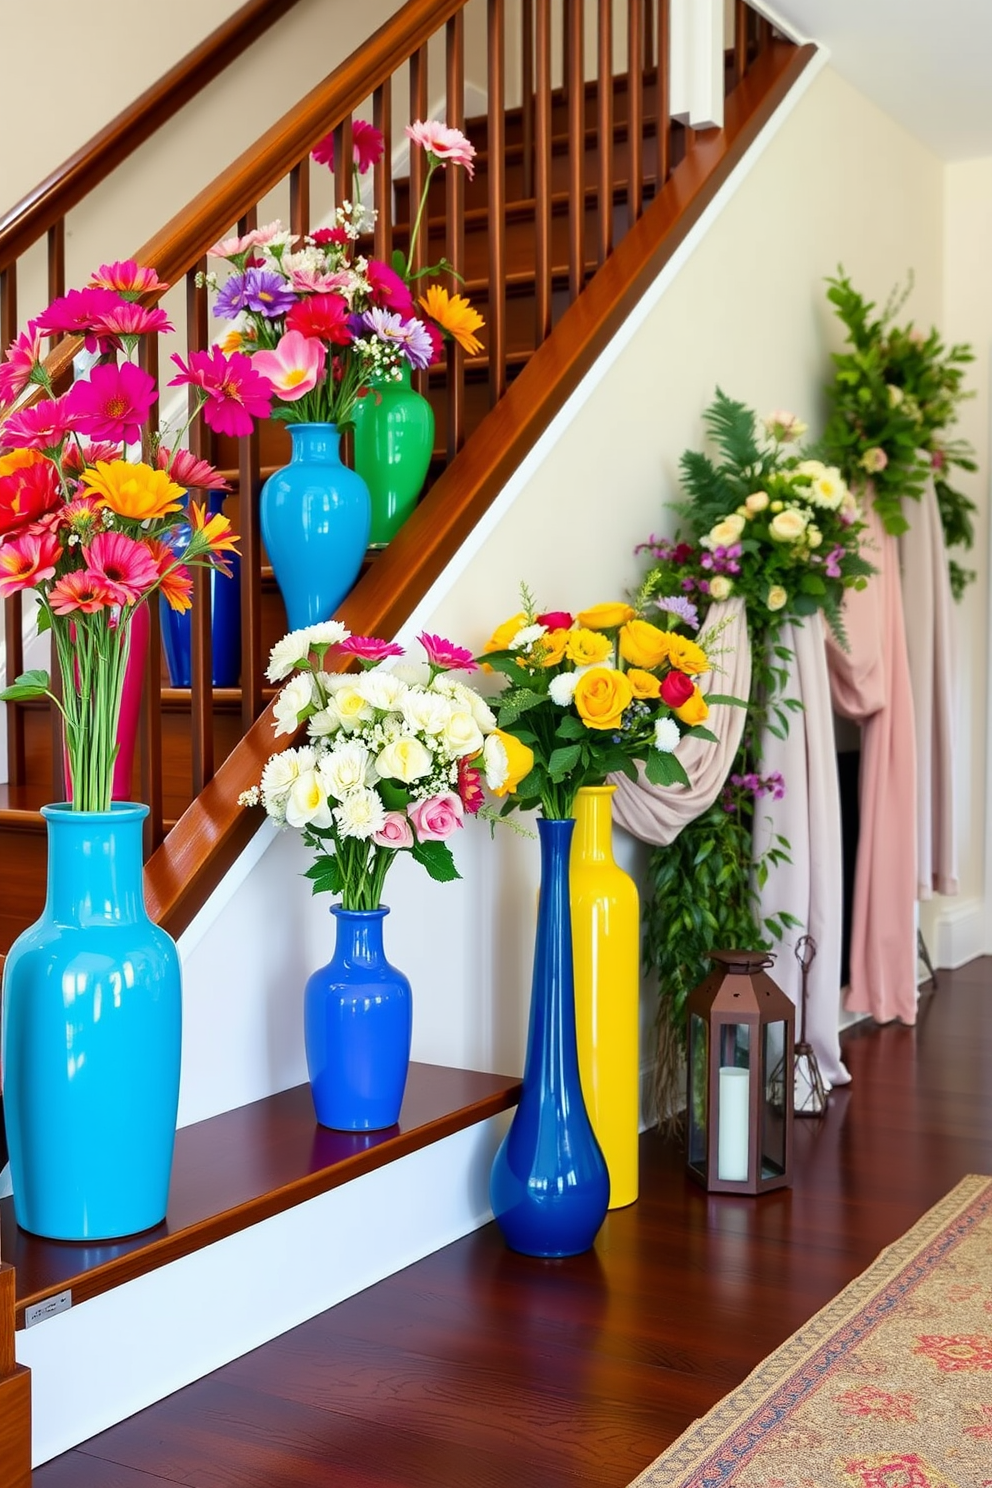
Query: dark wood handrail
x,y
186,868
47,204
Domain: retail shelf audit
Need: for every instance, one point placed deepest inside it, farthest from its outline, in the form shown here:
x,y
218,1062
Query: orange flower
x,y
211,533
550,649
134,491
454,315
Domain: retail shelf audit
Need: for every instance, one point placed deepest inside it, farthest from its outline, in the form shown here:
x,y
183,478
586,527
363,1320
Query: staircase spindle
x,y
496,323
382,179
299,197
417,255
150,741
454,228
527,95
8,305
542,180
741,15
663,97
56,259
253,663
343,162
201,625
13,622
604,129
576,97
635,110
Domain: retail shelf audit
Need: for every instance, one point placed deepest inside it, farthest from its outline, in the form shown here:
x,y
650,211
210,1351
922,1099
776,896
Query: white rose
x,y
347,768
361,814
424,712
352,707
562,688
405,759
896,395
295,699
666,735
306,804
381,689
495,762
814,536
757,501
468,698
461,735
413,673
720,587
726,532
788,525
777,597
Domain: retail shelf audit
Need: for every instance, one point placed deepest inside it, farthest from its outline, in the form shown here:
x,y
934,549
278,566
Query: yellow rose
x,y
644,645
550,649
506,761
643,684
606,616
503,634
694,710
602,696
587,647
686,656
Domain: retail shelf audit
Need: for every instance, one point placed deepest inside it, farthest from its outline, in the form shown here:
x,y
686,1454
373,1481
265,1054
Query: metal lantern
x,y
739,1121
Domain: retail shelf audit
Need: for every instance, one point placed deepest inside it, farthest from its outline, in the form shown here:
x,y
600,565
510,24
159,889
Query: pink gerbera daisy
x,y
389,289
324,316
470,790
123,564
444,144
370,649
81,591
128,278
43,426
76,459
188,470
28,560
445,656
367,145
235,393
112,402
21,364
74,313
123,323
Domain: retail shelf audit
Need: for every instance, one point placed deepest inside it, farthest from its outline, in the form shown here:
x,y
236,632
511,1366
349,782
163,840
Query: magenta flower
x,y
437,817
108,331
295,366
80,591
122,565
389,289
367,145
74,313
187,470
23,357
112,402
445,656
470,791
42,426
444,144
128,278
370,649
75,459
28,560
235,393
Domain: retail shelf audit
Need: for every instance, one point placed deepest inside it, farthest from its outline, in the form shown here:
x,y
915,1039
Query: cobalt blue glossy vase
x,y
225,616
357,1024
315,516
549,1187
92,1013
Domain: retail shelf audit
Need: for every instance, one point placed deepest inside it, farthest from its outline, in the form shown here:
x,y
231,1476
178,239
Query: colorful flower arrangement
x,y
91,530
391,759
587,696
768,523
894,397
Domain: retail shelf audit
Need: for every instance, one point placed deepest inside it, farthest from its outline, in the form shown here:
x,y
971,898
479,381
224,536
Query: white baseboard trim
x,y
960,934
101,1361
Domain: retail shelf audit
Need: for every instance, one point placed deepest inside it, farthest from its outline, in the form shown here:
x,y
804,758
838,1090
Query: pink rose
x,y
395,832
437,817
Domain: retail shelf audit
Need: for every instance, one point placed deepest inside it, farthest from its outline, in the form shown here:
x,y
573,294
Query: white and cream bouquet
x,y
389,759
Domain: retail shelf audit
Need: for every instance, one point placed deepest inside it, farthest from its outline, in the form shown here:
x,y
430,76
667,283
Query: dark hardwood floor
x,y
477,1368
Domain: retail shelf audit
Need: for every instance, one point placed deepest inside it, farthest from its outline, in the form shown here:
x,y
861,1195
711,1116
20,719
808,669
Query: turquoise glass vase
x,y
92,1013
549,1186
394,441
315,516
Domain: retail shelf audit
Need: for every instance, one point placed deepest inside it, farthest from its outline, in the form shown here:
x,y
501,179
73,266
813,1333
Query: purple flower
x,y
267,293
408,336
231,297
678,606
707,560
688,585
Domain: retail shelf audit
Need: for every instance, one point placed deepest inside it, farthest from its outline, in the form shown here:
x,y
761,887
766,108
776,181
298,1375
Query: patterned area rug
x,y
890,1386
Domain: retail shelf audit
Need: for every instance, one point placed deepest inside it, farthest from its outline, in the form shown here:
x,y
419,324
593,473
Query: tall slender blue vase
x,y
225,617
92,1012
549,1186
357,1023
315,516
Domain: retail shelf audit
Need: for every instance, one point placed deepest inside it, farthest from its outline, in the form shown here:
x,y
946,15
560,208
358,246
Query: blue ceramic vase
x,y
549,1187
225,616
315,516
394,441
92,1011
358,1022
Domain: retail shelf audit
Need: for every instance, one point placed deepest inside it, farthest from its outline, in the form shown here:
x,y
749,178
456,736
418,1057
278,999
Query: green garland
x,y
894,396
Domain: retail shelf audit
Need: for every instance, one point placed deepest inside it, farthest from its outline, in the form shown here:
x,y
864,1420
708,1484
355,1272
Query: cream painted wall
x,y
839,182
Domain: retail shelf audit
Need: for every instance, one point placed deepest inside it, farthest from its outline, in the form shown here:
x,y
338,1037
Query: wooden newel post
x,y
15,1396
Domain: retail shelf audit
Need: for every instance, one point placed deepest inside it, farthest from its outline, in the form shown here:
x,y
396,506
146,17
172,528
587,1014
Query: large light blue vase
x,y
358,1022
315,516
549,1186
92,1012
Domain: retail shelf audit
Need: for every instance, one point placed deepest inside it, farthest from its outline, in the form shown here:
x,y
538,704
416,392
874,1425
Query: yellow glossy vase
x,y
606,949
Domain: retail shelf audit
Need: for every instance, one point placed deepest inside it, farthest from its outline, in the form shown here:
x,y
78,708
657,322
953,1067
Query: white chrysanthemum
x,y
495,762
295,699
405,759
666,734
307,804
345,769
287,654
352,707
325,722
526,636
813,468
361,814
278,776
425,712
461,735
562,688
413,673
468,698
827,490
788,525
384,690
309,259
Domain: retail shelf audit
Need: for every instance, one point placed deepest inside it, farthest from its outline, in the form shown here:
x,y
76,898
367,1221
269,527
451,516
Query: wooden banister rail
x,y
15,1396
182,873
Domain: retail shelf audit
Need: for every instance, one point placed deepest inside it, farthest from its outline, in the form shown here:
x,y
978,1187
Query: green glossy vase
x,y
394,440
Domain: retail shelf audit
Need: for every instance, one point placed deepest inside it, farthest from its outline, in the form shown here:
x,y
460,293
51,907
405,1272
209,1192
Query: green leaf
x,y
570,727
662,768
325,876
33,684
726,699
563,761
436,858
700,731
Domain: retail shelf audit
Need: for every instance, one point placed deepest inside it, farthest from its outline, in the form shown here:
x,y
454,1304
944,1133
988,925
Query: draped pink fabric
x,y
870,684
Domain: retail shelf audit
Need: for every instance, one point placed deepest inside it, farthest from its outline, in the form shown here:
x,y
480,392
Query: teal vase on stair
x,y
394,441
